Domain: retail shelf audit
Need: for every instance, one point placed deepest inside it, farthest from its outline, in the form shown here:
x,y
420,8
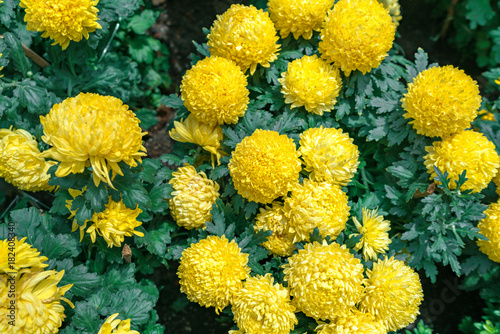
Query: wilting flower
x,y
311,82
246,35
92,130
490,228
20,162
325,281
441,101
24,256
193,197
374,234
112,326
466,150
319,205
264,166
356,322
393,294
64,21
215,91
394,10
211,271
299,17
357,35
329,155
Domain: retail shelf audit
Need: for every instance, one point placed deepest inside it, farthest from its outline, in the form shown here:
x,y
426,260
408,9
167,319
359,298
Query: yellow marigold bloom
x,y
264,166
441,101
316,204
486,115
311,82
20,162
215,91
374,234
357,35
92,130
274,219
329,155
299,17
497,81
64,21
112,326
496,181
193,197
394,10
325,281
466,150
38,302
393,294
490,228
356,322
212,270
246,35
22,254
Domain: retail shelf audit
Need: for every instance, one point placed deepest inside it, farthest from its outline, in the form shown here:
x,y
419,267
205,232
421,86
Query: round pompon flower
x,y
393,294
64,21
299,17
329,155
112,326
441,101
246,35
264,166
394,10
374,234
316,204
325,281
263,307
215,91
466,150
490,228
356,322
211,271
20,162
311,82
193,197
92,130
24,256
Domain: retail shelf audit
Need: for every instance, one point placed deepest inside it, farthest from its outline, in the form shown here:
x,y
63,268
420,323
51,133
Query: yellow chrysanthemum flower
x,y
193,197
394,10
64,21
92,130
299,17
393,294
441,101
212,270
486,115
263,307
325,281
374,234
316,204
18,255
20,162
466,150
496,181
490,228
38,308
497,81
191,130
246,35
311,82
329,155
264,166
215,91
112,326
357,35
356,322
274,219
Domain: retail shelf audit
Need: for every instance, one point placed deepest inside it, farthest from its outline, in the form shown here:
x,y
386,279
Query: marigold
x,y
393,294
215,92
299,17
325,281
357,35
329,155
23,254
264,166
467,150
316,204
311,82
490,228
20,162
64,21
394,10
212,270
112,326
263,307
91,129
356,322
486,115
441,101
246,35
374,234
193,197
496,181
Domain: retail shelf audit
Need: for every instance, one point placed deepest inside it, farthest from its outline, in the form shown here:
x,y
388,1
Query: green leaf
x,y
7,12
26,222
156,240
21,62
85,318
217,226
202,49
219,171
61,246
32,97
147,117
158,196
421,60
119,277
140,23
132,304
479,13
172,101
84,282
132,193
98,197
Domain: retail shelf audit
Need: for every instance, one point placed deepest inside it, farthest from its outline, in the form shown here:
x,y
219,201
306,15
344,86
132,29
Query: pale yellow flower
x,y
394,10
356,322
17,256
374,234
116,326
490,228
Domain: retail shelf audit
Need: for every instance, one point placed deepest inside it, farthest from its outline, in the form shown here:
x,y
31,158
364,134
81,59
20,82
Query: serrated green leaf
x,y
155,240
84,282
158,195
218,172
479,12
97,197
218,224
140,23
85,318
119,277
7,12
60,246
20,61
